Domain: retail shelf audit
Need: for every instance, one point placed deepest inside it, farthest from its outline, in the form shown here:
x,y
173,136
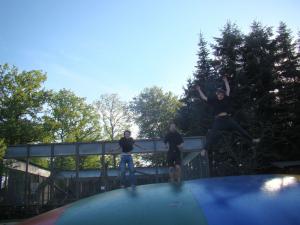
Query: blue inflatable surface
x,y
248,200
241,200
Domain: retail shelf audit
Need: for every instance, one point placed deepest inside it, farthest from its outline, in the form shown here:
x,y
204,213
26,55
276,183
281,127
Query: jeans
x,y
127,159
224,123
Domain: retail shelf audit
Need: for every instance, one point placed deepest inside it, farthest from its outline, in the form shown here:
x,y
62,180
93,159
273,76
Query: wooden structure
x,y
67,186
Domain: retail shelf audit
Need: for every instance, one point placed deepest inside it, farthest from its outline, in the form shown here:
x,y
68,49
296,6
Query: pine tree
x,y
194,117
258,84
285,127
298,54
227,50
263,74
230,155
228,61
258,57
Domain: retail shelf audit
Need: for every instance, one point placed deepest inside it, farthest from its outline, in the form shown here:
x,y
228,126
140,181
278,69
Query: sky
x,y
95,47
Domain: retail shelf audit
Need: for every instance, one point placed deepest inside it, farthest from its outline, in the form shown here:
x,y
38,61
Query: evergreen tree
x,y
228,61
230,154
194,116
286,119
298,53
258,57
264,79
227,51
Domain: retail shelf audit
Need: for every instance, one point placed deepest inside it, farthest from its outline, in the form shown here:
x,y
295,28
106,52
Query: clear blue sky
x,y
95,46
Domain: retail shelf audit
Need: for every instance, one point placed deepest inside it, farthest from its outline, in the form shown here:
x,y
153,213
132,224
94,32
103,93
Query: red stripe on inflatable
x,y
48,218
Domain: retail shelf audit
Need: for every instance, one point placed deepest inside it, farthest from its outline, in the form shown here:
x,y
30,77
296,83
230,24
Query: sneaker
x,y
122,186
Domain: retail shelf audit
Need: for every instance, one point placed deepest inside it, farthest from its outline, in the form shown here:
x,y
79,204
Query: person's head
x,y
172,127
127,133
220,94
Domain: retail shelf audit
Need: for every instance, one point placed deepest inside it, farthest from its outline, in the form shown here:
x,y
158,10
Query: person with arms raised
x,y
223,121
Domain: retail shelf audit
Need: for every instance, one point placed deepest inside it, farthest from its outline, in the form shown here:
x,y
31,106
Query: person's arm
x,y
226,85
202,95
117,149
180,146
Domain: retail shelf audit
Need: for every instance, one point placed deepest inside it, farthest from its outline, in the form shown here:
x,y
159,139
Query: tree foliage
x,y
154,109
2,149
22,97
70,118
263,69
263,72
114,116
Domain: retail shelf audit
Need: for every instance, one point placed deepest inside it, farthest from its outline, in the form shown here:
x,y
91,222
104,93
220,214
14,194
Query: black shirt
x,y
126,144
219,106
174,139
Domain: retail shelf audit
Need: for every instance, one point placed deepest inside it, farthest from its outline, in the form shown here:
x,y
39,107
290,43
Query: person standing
x,y
174,142
223,121
127,143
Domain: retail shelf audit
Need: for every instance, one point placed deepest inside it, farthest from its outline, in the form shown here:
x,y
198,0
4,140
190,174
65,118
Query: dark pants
x,y
173,158
224,123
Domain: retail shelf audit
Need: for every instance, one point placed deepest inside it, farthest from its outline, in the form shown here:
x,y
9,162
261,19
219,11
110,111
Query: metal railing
x,y
62,186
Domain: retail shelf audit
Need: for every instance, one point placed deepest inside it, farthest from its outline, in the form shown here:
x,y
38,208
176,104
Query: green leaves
x,y
22,99
263,72
114,116
2,150
70,118
154,110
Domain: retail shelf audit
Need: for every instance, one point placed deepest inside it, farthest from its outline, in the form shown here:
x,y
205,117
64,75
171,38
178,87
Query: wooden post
x,y
43,192
208,161
77,171
26,177
156,163
207,166
51,173
29,189
103,167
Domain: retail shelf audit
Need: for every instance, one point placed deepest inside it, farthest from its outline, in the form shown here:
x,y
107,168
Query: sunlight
x,y
277,184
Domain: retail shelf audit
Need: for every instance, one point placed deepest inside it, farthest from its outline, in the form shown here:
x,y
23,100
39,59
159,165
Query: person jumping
x,y
173,141
223,121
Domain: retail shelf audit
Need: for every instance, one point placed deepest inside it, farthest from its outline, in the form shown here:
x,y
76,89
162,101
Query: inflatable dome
x,y
240,200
